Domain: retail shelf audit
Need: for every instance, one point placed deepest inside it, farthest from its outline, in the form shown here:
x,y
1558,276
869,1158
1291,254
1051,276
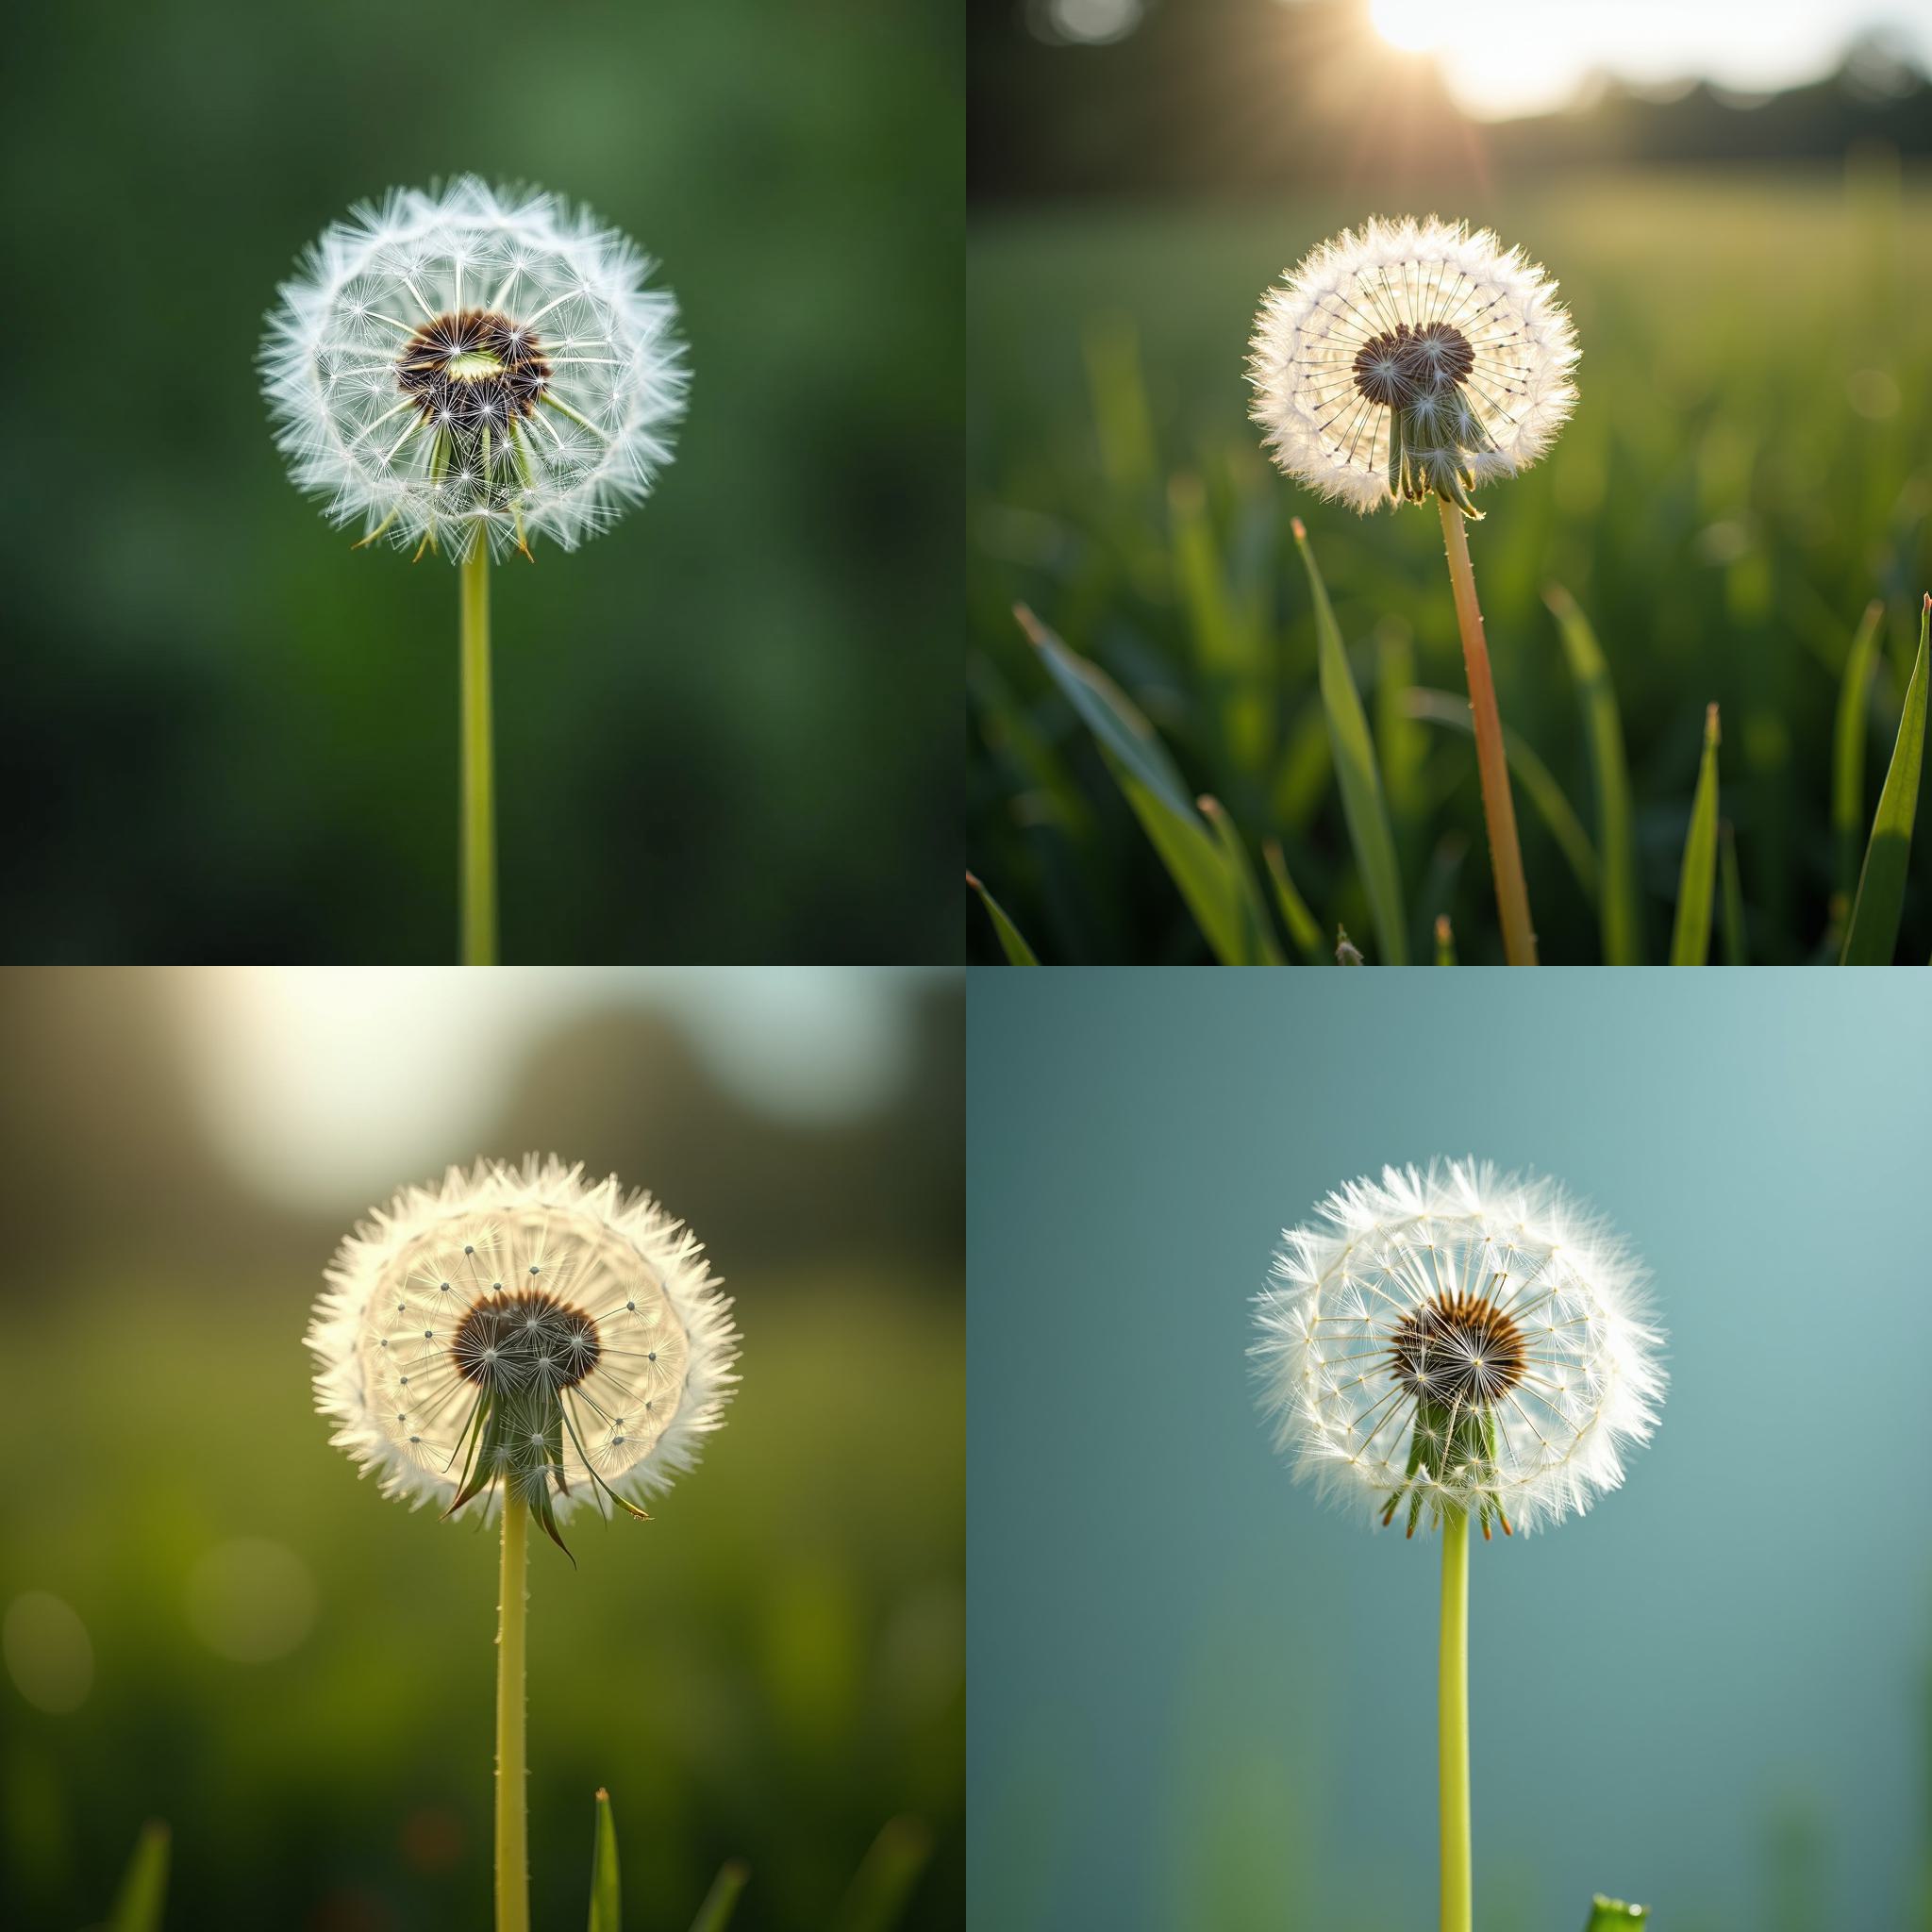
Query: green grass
x,y
1749,470
768,1669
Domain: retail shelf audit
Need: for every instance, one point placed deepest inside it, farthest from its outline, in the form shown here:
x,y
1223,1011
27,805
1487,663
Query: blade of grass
x,y
1109,714
1259,940
1196,865
722,1900
1362,802
1538,781
143,1894
881,1887
1446,940
1398,744
1441,878
1120,404
1225,641
1009,733
1873,936
1151,783
1012,942
1848,757
1620,910
1736,948
1295,915
605,1902
1690,936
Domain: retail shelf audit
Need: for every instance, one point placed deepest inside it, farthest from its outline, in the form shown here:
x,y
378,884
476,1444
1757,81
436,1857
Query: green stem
x,y
1452,1750
512,1830
1492,762
479,779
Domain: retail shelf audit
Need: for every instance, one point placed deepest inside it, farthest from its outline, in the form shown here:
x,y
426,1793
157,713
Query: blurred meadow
x,y
1737,514
210,1620
233,739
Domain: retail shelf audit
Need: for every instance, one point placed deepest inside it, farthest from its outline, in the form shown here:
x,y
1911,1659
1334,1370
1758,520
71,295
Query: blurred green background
x,y
298,1674
1749,467
232,738
1201,1701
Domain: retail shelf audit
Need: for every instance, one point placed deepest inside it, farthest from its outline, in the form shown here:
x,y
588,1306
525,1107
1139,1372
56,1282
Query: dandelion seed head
x,y
1457,1338
1406,358
623,1315
473,364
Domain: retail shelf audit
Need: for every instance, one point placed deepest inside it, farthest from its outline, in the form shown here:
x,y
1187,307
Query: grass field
x,y
768,1671
1749,467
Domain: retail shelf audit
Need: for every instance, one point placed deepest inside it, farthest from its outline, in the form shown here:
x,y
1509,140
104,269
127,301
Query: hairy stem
x,y
512,1849
479,774
1452,1749
1499,813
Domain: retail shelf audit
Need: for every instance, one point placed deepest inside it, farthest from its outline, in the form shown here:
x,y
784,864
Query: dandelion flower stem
x,y
513,1854
1506,856
1452,1750
479,773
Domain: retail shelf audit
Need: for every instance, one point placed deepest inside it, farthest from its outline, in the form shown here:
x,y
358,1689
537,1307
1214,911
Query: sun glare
x,y
1418,26
1529,56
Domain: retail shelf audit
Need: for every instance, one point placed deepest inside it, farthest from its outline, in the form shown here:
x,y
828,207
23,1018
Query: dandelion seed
x,y
497,279
396,295
509,1408
1456,1339
1450,1343
1409,358
547,1363
1404,360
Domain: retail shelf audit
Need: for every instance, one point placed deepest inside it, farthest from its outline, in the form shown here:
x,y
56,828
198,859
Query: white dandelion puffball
x,y
1405,359
473,364
523,1326
1458,1339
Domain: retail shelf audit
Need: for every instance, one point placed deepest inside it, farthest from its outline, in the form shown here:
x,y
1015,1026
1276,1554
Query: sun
x,y
1419,26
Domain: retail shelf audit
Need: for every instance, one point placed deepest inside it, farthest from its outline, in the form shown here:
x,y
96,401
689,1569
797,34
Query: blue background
x,y
1197,1698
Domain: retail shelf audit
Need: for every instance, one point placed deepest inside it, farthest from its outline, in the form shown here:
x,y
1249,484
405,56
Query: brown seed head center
x,y
473,371
526,1339
1402,365
1458,1350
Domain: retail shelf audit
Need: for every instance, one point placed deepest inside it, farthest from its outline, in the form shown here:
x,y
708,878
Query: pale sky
x,y
1518,56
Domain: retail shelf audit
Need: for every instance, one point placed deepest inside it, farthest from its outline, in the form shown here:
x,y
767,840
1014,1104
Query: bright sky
x,y
1519,56
321,1082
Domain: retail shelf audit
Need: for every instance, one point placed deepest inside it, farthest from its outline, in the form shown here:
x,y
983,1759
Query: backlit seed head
x,y
1457,1339
522,1326
473,364
1405,359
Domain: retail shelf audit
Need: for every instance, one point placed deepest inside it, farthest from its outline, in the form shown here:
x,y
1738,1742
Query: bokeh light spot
x,y
49,1655
1872,394
251,1601
1087,23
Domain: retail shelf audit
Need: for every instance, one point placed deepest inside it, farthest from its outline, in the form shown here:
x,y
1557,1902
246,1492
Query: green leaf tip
x,y
1697,881
143,1894
722,1900
1608,1914
881,1889
1356,772
1295,915
605,1903
1872,937
1012,941
1619,909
